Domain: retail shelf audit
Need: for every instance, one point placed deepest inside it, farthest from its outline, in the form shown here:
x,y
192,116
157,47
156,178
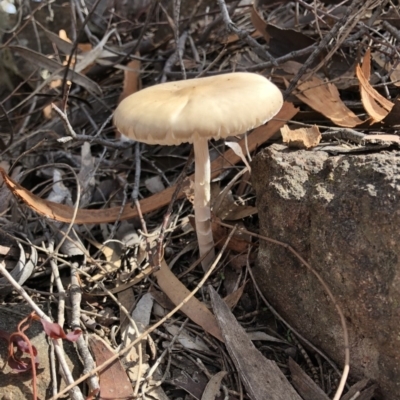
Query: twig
x,y
213,62
60,286
75,45
155,326
136,182
78,8
164,353
53,372
339,25
143,30
119,145
64,119
86,356
132,323
179,49
392,30
258,48
361,32
258,67
172,59
344,134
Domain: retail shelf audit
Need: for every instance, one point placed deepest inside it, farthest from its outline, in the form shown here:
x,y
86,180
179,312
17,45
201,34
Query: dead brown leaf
x,y
325,98
259,23
302,138
393,118
114,383
233,298
193,308
238,243
131,79
374,103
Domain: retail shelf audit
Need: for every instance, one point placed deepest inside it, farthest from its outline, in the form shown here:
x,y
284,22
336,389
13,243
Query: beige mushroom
x,y
195,111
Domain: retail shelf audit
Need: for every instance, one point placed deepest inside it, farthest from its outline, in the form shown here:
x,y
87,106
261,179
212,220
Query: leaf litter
x,y
74,179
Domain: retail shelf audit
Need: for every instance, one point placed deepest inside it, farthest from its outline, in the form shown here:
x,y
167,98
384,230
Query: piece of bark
x,y
365,394
261,377
307,388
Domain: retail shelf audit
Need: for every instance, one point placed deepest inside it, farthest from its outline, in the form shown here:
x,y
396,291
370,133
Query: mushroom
x,y
194,111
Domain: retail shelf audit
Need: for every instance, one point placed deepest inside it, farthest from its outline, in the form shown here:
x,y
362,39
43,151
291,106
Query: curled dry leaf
x,y
24,268
302,138
64,213
239,152
325,98
377,106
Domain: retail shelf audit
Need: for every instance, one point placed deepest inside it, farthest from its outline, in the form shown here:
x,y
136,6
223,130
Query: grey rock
x,y
342,214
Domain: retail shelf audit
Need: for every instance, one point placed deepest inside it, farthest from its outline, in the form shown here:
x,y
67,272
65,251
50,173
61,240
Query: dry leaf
x,y
213,386
262,336
187,340
239,152
393,118
259,23
57,69
112,253
194,309
91,56
21,270
374,103
238,243
154,184
233,298
131,79
302,138
114,383
325,98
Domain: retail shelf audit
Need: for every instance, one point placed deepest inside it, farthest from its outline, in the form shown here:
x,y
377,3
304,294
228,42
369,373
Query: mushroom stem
x,y
202,212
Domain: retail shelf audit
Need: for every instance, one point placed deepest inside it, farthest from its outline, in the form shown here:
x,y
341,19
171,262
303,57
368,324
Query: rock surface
x,y
342,214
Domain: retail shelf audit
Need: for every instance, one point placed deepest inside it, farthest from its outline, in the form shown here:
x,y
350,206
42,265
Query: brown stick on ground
x,y
64,213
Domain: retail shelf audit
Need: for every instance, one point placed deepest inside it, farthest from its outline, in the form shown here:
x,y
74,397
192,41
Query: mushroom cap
x,y
183,111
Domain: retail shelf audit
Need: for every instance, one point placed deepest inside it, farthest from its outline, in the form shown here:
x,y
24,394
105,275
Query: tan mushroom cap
x,y
213,107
